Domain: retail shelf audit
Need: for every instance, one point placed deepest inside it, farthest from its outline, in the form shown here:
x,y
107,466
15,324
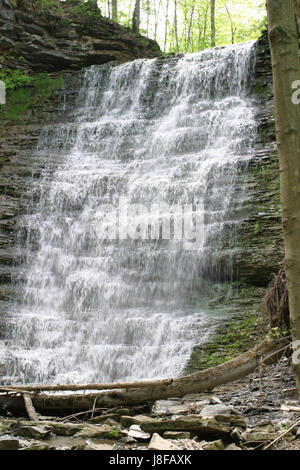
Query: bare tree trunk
x,y
297,13
166,25
231,24
148,16
156,20
32,415
286,72
136,19
213,22
205,24
190,29
176,25
114,8
94,4
137,393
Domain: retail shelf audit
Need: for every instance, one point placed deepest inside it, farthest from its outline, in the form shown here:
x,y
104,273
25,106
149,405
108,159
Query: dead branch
x,y
32,414
75,388
276,300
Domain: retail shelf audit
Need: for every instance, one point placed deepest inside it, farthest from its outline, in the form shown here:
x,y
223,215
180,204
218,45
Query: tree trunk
x,y
114,8
166,25
176,26
297,13
32,415
283,40
94,4
231,24
190,29
136,19
212,22
195,383
156,19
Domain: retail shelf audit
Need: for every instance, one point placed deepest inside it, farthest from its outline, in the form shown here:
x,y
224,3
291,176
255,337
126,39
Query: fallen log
x,y
137,393
76,388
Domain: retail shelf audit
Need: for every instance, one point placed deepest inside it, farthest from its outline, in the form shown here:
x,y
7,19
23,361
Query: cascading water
x,y
165,131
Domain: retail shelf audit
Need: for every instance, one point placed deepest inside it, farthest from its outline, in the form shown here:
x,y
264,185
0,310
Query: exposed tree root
x,y
276,301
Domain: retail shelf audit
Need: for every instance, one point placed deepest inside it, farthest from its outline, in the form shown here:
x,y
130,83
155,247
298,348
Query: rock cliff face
x,y
65,36
260,247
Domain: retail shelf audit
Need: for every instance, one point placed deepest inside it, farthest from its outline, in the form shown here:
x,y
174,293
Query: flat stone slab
x,y
176,435
217,409
136,432
190,423
35,432
8,442
159,443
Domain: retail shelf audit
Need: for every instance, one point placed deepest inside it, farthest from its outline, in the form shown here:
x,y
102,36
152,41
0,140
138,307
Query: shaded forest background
x,y
189,25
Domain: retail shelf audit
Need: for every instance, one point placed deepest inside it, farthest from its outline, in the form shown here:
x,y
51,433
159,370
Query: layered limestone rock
x,y
65,35
259,250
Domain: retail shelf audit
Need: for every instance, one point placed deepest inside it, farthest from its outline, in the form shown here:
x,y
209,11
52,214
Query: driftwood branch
x,y
282,435
32,414
134,393
76,388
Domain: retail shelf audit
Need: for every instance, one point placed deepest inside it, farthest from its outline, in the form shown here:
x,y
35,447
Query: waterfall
x,y
169,131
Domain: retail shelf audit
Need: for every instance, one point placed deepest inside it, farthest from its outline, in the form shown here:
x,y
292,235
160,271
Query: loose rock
x,y
158,443
8,442
176,435
136,432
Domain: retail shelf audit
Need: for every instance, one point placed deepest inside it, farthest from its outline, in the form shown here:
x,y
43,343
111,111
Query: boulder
x,y
161,407
158,443
179,409
127,421
103,431
136,432
128,440
103,418
8,442
259,434
190,444
90,445
231,420
38,446
176,435
190,423
215,400
35,432
232,447
214,445
217,409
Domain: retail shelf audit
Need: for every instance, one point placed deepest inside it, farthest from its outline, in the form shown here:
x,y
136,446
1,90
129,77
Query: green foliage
x,y
277,333
113,434
70,11
14,78
24,91
237,337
